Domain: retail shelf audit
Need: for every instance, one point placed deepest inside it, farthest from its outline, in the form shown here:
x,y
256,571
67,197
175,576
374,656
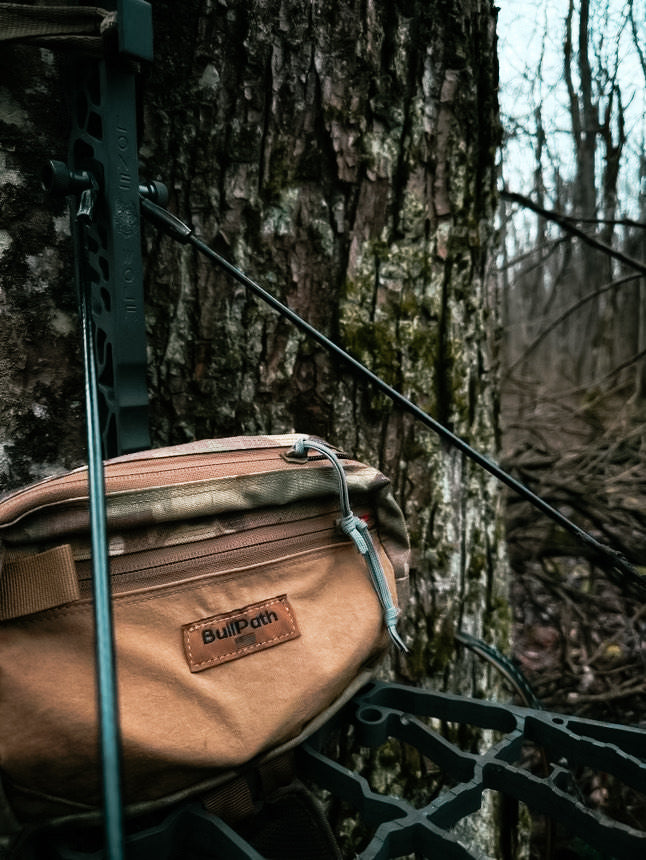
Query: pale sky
x,y
531,36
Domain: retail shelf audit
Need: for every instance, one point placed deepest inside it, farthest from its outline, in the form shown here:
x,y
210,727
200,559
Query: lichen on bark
x,y
41,419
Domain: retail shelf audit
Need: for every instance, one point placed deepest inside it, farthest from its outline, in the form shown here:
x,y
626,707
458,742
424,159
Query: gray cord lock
x,y
359,533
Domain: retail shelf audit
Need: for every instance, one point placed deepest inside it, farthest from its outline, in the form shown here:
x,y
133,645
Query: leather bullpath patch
x,y
231,635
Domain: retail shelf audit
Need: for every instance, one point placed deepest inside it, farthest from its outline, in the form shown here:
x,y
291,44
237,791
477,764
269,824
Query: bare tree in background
x,y
573,353
583,314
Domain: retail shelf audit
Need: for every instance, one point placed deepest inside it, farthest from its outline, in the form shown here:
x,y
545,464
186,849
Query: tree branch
x,y
566,224
567,313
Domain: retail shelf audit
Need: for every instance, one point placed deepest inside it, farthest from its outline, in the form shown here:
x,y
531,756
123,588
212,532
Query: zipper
x,y
176,534
185,563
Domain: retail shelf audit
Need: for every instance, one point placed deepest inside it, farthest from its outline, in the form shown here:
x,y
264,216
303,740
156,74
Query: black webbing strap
x,y
272,811
239,798
81,27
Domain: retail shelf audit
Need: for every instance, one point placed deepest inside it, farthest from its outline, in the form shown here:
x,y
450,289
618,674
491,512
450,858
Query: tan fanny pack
x,y
246,610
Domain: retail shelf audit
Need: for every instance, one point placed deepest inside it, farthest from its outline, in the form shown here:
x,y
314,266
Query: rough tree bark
x,y
342,154
41,417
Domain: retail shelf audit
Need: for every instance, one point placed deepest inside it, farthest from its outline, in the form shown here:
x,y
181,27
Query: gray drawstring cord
x,y
359,533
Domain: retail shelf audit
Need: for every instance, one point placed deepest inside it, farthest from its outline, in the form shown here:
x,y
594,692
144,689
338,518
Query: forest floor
x,y
580,639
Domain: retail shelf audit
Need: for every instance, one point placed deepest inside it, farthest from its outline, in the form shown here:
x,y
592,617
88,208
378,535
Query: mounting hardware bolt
x,y
58,179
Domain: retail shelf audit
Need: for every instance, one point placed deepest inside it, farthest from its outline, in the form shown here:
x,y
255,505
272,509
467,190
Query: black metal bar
x,y
103,144
109,735
618,567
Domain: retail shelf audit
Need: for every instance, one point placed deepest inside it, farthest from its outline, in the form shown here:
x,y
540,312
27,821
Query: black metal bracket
x,y
413,717
102,178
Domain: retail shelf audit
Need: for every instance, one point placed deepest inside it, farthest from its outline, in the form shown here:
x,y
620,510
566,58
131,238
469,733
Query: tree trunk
x,y
41,406
343,155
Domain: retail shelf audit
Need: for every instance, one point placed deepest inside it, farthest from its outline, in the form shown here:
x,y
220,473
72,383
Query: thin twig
x,y
566,224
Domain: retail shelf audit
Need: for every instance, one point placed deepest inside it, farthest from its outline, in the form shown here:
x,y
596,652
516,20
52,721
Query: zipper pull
x,y
359,533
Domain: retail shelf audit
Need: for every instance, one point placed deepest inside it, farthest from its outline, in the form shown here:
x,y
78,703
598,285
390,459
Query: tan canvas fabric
x,y
241,614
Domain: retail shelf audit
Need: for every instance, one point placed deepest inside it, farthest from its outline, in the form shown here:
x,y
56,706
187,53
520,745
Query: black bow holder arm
x,y
101,178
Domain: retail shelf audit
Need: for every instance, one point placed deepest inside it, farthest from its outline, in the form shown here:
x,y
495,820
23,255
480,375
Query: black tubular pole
x,y
109,736
184,234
